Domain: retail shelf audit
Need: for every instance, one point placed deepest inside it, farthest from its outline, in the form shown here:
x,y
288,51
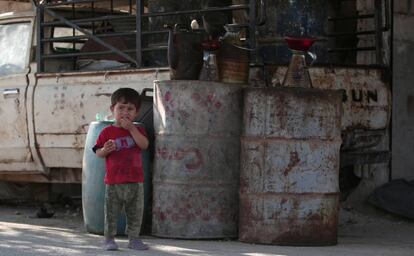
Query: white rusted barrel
x,y
197,158
289,186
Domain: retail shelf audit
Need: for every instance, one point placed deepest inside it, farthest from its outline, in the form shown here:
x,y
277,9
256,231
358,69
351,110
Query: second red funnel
x,y
299,43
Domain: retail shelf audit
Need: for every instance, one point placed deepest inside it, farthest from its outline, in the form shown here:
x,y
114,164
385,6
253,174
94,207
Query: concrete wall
x,y
403,91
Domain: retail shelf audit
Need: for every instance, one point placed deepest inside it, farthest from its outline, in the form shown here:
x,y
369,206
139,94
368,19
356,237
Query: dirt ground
x,y
362,231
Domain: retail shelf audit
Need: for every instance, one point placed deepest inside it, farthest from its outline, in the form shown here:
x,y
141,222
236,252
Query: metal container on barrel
x,y
289,184
197,157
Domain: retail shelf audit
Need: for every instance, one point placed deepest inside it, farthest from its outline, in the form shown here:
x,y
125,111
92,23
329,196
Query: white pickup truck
x,y
60,61
45,116
45,111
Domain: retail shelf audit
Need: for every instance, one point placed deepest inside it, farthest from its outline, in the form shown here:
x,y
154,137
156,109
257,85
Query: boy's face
x,y
124,111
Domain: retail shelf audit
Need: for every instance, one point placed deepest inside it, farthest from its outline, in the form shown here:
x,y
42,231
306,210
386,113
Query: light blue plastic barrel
x,y
93,187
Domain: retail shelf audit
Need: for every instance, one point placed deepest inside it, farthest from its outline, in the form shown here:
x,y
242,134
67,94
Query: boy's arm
x,y
107,148
138,137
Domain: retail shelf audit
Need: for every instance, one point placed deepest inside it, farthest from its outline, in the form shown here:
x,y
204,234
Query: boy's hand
x,y
109,146
126,124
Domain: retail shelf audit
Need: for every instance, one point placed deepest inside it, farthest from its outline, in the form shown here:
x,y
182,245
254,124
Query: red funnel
x,y
299,43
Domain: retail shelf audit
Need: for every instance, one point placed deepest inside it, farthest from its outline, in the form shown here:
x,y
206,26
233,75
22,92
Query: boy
x,y
121,144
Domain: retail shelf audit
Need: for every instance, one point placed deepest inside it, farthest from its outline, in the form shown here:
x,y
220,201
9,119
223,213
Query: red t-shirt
x,y
124,165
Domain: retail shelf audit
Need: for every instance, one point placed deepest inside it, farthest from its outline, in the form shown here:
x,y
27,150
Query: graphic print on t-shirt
x,y
124,142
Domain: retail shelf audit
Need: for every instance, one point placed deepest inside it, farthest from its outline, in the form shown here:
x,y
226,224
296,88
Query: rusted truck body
x,y
45,116
45,111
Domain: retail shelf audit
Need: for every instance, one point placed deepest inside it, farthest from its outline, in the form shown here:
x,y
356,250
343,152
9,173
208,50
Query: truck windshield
x,y
14,40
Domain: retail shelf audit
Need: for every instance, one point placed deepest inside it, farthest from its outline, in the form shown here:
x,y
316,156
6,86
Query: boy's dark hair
x,y
126,95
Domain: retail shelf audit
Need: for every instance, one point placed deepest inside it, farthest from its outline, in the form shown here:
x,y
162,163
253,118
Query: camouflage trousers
x,y
129,196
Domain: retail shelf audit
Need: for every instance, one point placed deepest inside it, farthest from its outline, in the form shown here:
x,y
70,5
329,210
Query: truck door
x,y
15,44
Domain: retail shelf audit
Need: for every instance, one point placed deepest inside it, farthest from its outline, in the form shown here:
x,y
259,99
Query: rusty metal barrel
x,y
289,184
197,158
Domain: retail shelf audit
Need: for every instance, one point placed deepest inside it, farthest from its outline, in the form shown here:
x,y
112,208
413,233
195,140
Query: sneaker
x,y
137,244
110,245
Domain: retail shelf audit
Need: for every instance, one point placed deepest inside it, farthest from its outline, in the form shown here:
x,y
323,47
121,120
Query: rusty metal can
x,y
197,159
289,184
233,64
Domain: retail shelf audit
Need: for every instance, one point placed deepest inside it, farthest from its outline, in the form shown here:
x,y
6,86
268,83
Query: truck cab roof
x,y
12,15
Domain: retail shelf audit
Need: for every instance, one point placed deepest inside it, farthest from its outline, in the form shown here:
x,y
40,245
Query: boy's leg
x,y
134,209
111,208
